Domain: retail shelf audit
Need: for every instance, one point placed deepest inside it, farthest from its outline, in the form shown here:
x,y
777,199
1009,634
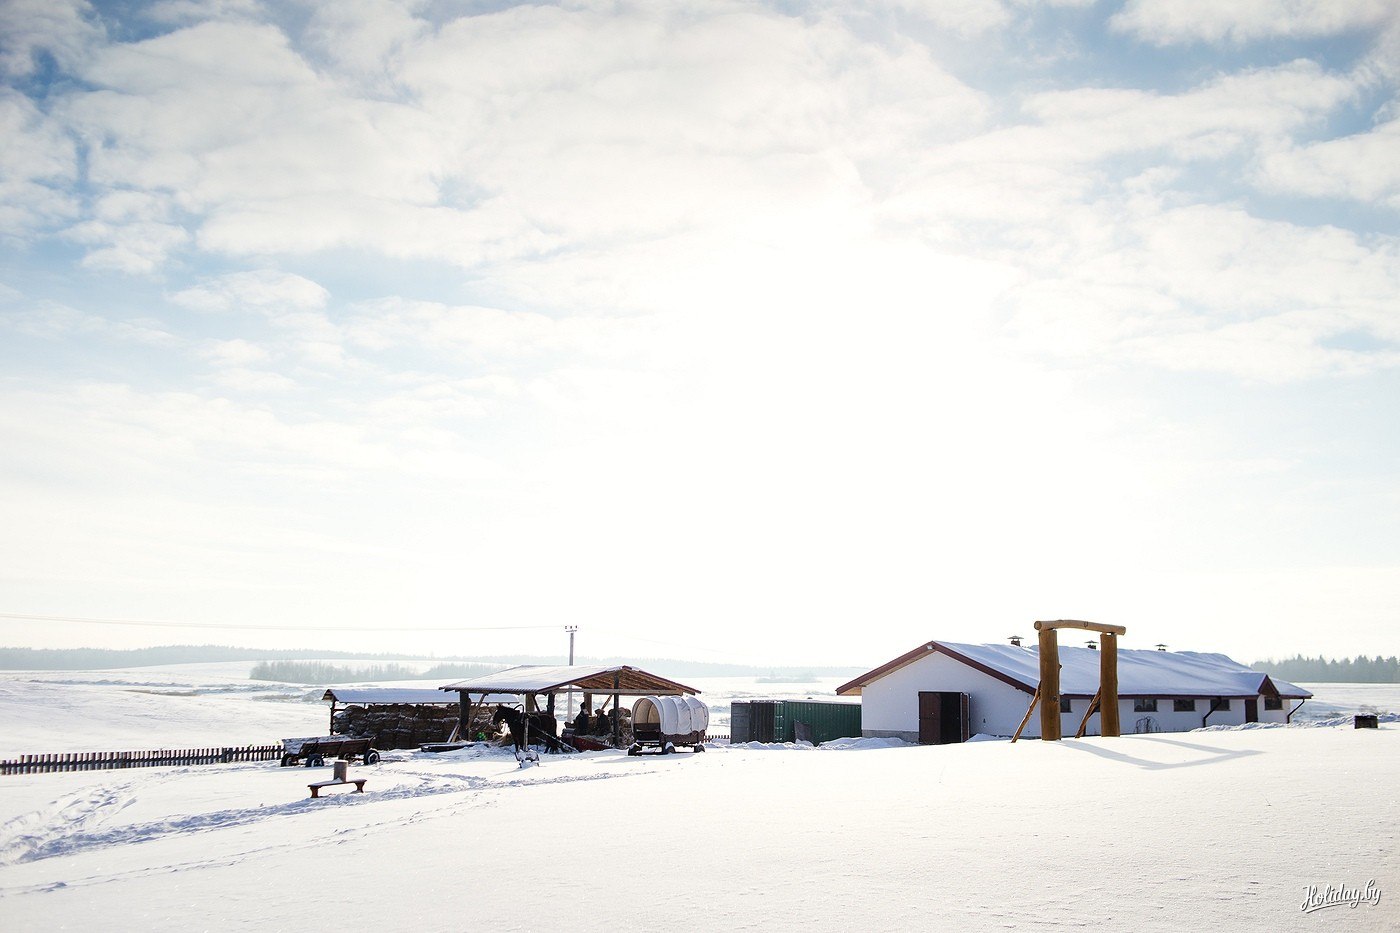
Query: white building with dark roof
x,y
944,692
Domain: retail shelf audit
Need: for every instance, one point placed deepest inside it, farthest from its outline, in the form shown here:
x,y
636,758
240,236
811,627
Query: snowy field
x,y
1168,832
198,705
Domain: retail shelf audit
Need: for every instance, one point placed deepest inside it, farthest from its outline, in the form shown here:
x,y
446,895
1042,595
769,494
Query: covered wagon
x,y
667,722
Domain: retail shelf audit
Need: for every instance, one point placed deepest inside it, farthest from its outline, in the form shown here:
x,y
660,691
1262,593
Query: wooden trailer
x,y
315,752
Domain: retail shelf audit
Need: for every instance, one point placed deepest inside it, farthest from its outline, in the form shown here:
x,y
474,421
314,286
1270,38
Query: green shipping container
x,y
819,721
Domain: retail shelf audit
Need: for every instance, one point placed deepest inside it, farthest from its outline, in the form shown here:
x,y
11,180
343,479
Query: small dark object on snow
x,y
1367,721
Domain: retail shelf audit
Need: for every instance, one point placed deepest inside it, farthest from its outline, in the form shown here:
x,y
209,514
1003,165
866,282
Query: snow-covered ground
x,y
1220,830
199,705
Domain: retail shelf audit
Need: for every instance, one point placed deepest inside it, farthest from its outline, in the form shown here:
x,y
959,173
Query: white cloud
x,y
234,353
266,291
962,17
138,247
38,165
198,11
1213,289
1364,167
365,38
1208,121
1165,22
52,321
246,380
65,29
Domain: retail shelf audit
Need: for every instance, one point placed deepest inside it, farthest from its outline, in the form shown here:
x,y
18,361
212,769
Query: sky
x,y
767,332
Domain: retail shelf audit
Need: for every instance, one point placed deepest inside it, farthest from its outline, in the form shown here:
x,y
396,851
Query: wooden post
x,y
1049,685
1027,718
1108,685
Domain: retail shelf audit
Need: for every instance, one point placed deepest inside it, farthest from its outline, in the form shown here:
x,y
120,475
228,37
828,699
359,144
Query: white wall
x,y
890,705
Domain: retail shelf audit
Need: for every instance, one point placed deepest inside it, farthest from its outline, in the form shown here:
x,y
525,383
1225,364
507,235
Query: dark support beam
x,y
616,713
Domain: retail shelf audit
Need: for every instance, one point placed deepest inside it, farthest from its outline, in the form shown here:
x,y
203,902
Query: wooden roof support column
x,y
616,713
1049,684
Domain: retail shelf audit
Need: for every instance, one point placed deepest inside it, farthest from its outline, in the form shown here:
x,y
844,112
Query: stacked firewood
x,y
405,725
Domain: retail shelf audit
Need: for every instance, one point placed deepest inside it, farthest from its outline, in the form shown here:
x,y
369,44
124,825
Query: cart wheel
x,y
315,761
699,747
371,757
633,749
288,761
668,749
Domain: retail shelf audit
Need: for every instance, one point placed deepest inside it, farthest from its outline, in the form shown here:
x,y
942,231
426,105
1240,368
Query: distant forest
x,y
317,672
96,659
1357,670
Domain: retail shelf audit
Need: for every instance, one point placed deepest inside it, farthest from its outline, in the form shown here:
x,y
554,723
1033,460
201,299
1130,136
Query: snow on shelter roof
x,y
385,696
534,678
1141,672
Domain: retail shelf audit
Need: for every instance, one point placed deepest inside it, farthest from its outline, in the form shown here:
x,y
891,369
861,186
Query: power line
x,y
150,623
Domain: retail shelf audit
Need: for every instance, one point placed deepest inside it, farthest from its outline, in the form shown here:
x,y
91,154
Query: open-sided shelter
x,y
526,683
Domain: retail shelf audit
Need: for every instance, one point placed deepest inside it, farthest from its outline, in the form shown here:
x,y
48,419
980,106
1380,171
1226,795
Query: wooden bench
x,y
316,788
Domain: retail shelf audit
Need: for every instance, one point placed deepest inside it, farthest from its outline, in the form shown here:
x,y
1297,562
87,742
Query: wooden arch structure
x,y
1105,701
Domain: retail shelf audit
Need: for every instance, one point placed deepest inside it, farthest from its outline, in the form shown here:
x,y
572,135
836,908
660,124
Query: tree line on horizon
x,y
88,659
1357,670
91,659
317,672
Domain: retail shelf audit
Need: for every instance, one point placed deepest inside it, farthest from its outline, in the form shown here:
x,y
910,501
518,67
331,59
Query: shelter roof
x,y
1141,672
535,678
382,696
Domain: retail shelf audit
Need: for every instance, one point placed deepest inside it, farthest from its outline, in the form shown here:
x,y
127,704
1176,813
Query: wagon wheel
x,y
668,749
315,761
699,747
371,757
287,761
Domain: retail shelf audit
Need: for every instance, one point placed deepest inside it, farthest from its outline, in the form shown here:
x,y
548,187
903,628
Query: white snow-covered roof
x,y
381,696
535,678
1141,672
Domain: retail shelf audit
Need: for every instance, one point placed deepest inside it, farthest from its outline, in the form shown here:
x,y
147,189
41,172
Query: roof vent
x,y
1092,645
1016,640
1161,647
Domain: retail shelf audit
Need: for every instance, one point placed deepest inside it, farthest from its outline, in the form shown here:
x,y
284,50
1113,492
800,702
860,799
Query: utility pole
x,y
572,630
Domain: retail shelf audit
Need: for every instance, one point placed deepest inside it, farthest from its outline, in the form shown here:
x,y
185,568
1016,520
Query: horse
x,y
540,726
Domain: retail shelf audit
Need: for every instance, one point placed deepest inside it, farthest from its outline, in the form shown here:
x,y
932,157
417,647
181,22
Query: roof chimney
x,y
1016,640
1093,645
1161,647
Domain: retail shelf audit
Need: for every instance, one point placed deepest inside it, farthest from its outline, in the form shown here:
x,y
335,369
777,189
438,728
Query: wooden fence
x,y
162,758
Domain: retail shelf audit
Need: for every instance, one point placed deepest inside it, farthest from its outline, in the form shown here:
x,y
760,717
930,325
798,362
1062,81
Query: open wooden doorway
x,y
943,718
